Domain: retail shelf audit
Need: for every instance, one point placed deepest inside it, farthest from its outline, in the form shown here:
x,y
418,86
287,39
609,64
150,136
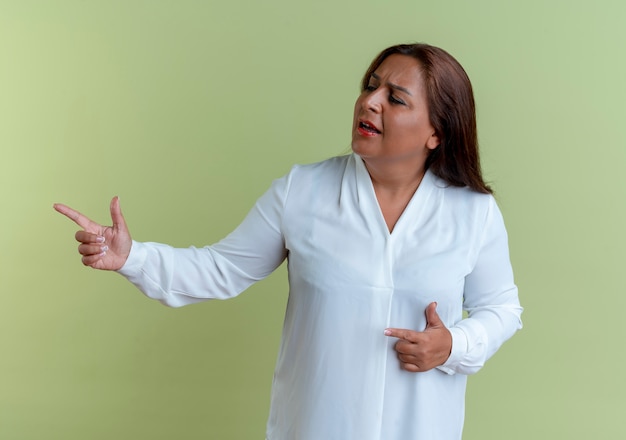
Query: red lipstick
x,y
367,128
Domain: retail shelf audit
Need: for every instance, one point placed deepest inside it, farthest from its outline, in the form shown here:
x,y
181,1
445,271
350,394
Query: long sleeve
x,y
349,278
491,300
177,277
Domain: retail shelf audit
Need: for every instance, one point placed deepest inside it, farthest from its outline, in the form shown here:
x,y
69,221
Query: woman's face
x,y
391,121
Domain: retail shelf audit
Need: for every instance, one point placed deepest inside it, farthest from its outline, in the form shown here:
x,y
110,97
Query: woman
x,y
386,247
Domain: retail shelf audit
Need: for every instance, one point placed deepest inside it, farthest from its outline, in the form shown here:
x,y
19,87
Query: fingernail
x,y
103,253
387,332
100,239
104,248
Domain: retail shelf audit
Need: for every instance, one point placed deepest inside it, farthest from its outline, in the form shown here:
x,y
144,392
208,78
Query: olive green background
x,y
188,109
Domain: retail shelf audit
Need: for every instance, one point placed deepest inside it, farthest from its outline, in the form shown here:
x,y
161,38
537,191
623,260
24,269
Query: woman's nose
x,y
373,101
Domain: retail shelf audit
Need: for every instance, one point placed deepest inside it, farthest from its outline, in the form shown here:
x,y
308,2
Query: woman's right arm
x,y
178,277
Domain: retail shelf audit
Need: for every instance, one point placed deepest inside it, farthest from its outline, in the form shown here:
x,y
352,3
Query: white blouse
x,y
337,374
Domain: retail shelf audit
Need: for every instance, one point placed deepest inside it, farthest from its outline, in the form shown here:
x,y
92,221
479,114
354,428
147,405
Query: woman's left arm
x,y
491,300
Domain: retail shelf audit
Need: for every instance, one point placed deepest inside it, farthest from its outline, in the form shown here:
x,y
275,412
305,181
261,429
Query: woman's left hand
x,y
423,351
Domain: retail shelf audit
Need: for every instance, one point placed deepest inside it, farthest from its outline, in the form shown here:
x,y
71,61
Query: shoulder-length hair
x,y
452,113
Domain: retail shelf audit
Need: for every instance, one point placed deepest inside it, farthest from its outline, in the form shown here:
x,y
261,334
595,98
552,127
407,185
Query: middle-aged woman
x,y
386,247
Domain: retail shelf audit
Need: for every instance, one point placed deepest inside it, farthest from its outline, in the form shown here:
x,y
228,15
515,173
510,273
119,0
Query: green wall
x,y
188,109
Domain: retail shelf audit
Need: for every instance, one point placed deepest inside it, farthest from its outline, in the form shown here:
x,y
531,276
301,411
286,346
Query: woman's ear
x,y
433,141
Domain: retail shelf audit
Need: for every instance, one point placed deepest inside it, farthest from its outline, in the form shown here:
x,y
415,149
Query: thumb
x,y
116,214
432,317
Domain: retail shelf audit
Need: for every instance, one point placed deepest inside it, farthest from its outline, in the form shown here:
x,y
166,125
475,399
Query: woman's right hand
x,y
102,247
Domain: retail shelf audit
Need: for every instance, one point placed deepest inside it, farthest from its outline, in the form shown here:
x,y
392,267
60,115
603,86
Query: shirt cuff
x,y
136,259
459,349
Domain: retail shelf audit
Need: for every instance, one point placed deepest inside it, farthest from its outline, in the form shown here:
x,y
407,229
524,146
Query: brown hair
x,y
452,114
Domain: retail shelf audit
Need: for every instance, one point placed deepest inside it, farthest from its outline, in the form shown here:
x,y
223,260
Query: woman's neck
x,y
395,179
394,187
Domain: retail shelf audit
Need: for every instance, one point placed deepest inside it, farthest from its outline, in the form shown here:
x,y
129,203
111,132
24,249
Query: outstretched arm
x,y
102,247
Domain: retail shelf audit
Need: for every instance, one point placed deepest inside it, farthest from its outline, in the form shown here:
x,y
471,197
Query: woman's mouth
x,y
366,128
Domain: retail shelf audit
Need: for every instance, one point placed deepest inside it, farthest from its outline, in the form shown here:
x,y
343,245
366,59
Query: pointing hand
x,y
423,351
102,247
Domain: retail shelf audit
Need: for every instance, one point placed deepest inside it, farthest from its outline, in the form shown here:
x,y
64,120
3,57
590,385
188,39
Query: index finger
x,y
401,333
75,216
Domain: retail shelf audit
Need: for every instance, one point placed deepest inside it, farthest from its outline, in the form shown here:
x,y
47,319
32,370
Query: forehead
x,y
402,70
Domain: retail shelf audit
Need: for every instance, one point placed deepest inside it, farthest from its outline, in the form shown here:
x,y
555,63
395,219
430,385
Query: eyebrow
x,y
392,85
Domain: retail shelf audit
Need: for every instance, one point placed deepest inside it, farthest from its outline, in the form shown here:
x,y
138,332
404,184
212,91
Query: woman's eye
x,y
395,100
370,88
